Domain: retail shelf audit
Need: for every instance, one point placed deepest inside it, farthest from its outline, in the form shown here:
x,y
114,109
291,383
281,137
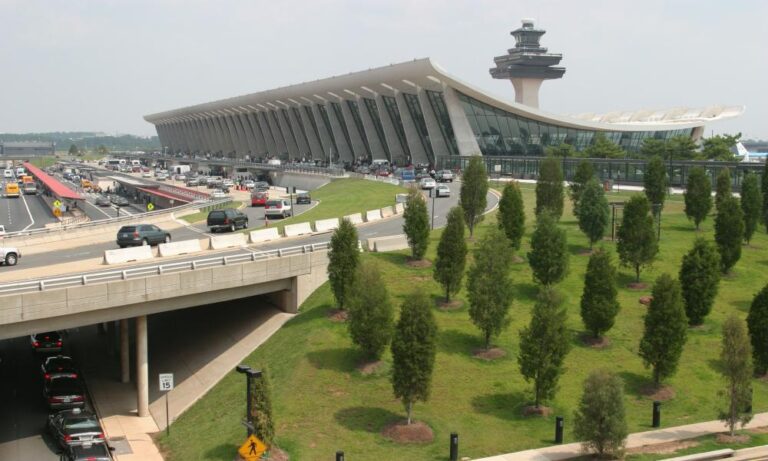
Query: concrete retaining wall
x,y
372,215
124,255
264,235
399,208
327,225
218,242
179,248
387,211
293,230
355,219
390,243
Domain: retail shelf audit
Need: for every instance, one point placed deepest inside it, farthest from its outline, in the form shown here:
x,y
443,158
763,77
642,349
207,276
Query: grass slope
x,y
322,404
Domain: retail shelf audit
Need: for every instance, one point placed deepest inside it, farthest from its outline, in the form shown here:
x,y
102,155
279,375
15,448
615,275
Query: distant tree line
x,y
87,141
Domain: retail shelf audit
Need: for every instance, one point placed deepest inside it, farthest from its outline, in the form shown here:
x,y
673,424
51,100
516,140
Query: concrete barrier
x,y
372,215
401,198
293,230
124,255
387,211
219,242
179,248
389,243
355,219
327,225
264,235
710,455
399,208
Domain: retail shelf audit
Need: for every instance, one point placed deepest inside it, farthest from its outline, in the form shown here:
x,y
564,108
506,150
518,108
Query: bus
x,y
115,164
12,189
28,185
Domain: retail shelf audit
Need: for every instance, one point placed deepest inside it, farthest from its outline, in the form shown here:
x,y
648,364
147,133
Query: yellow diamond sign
x,y
252,449
150,206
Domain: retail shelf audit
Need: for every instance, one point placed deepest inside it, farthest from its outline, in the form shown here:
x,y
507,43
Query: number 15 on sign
x,y
166,384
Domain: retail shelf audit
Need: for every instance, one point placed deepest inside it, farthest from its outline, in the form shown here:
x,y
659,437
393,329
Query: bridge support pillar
x,y
125,353
142,367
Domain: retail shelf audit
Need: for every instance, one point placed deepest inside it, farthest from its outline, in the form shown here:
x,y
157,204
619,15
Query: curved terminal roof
x,y
424,73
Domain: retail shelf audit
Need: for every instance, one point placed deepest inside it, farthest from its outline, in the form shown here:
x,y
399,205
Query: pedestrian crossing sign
x,y
150,206
252,449
57,203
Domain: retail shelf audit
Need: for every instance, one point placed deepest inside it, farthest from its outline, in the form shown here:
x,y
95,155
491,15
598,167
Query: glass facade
x,y
340,118
326,120
288,124
311,118
359,124
373,111
394,114
279,134
499,132
297,116
412,101
443,119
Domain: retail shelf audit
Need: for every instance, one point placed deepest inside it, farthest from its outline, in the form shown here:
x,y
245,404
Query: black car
x,y
57,366
64,392
87,452
226,219
75,427
141,234
303,199
103,200
48,342
119,201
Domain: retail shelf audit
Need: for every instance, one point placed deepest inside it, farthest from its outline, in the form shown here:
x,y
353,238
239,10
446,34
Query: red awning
x,y
58,189
165,195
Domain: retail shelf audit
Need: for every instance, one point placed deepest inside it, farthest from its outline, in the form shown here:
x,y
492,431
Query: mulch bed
x,y
645,300
662,448
490,354
277,454
662,394
637,286
597,343
369,368
758,430
418,263
532,410
337,315
728,438
450,305
416,432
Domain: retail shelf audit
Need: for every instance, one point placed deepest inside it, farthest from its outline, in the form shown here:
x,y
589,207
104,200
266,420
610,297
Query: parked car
x,y
161,177
146,174
103,200
427,183
9,255
46,342
442,191
444,176
64,392
279,207
226,219
75,427
87,452
57,366
228,182
261,185
303,199
248,184
218,193
141,234
118,200
259,198
192,182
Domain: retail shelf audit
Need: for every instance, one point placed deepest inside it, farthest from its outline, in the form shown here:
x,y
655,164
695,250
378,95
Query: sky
x,y
101,65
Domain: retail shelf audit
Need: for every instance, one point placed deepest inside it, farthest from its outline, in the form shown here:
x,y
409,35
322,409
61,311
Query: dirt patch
x,y
662,448
420,278
418,263
597,343
585,252
763,378
337,392
338,315
662,393
517,259
369,368
729,439
645,300
490,354
532,410
701,327
758,430
637,286
277,454
450,305
416,432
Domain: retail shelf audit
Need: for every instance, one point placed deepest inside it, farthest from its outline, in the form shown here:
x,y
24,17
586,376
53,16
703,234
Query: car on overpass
x,y
75,427
141,234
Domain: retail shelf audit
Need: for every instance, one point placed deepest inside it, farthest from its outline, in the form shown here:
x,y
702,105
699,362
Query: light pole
x,y
432,195
250,374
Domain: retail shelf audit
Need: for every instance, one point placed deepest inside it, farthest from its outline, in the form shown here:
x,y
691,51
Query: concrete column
x,y
436,138
229,128
355,136
274,127
527,91
203,134
189,136
248,132
418,153
242,144
197,135
396,151
465,137
215,130
261,142
162,135
261,118
324,131
298,133
125,353
226,136
290,141
345,151
375,144
142,367
312,137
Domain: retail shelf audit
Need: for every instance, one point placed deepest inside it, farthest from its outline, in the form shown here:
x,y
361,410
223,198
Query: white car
x,y
146,174
249,184
427,183
9,256
228,183
161,177
8,174
2,229
218,194
442,191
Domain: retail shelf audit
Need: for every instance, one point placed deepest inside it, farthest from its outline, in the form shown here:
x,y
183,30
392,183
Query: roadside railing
x,y
298,168
29,286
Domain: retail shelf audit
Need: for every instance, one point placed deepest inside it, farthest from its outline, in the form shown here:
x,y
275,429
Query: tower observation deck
x,y
527,64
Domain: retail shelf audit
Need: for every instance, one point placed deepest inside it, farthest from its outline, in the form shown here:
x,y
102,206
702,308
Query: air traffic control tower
x,y
527,64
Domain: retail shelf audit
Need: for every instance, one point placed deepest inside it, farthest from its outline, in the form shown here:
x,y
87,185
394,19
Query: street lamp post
x,y
250,374
432,195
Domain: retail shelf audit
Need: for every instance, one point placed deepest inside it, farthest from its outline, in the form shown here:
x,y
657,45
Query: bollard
x,y
656,413
559,429
339,456
454,446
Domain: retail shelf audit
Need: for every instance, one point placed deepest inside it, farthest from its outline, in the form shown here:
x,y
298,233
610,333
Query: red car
x,y
259,198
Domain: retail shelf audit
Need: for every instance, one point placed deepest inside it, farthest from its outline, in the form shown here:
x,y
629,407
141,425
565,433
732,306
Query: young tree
x,y
600,420
736,361
343,258
549,187
729,232
416,224
593,212
599,306
584,172
653,148
548,257
474,189
698,195
512,214
73,150
751,204
489,285
764,190
719,147
666,328
637,246
699,279
261,407
562,150
655,181
413,351
682,148
451,254
757,321
722,187
544,343
371,316
603,147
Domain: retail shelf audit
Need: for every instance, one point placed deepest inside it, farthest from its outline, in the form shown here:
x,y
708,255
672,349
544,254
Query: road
x,y
24,213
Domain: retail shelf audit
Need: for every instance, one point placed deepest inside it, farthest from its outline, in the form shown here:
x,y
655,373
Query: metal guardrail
x,y
31,286
101,222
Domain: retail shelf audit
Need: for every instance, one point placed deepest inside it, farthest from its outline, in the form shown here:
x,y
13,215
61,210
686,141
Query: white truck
x,y
9,255
180,169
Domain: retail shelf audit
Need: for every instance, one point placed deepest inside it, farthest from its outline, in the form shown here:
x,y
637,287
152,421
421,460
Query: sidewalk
x,y
640,439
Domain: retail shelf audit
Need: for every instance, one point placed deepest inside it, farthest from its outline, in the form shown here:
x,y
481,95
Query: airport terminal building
x,y
414,112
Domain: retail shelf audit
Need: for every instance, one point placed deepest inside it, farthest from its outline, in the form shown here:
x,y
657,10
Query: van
x,y
8,173
20,171
12,189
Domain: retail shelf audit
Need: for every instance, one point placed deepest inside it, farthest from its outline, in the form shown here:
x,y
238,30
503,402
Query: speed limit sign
x,y
166,382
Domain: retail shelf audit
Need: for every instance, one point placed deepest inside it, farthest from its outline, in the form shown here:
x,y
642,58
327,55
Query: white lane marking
x,y
99,208
24,199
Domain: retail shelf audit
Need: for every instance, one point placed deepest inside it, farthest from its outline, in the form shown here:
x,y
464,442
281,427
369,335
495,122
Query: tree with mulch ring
x,y
544,343
489,285
700,280
371,314
415,432
416,224
666,329
451,255
600,419
474,192
489,354
343,258
736,367
511,215
548,257
594,212
414,346
599,304
637,245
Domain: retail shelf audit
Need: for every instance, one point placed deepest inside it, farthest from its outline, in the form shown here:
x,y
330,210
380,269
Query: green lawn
x,y
43,162
322,404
